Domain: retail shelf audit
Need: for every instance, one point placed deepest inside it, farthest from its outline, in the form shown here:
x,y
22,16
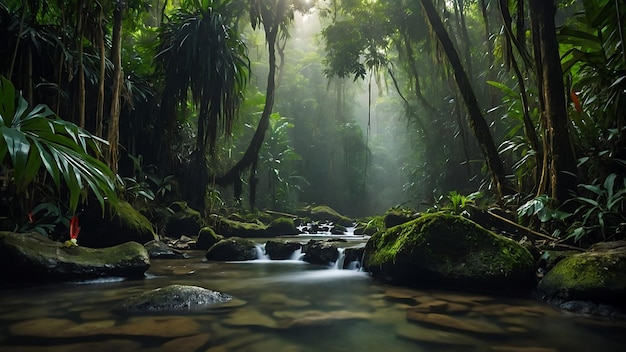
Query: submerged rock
x,y
320,252
598,276
173,298
32,257
442,250
281,250
232,249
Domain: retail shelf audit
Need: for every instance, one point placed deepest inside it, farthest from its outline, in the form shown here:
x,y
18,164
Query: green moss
x,y
132,219
588,271
183,211
447,246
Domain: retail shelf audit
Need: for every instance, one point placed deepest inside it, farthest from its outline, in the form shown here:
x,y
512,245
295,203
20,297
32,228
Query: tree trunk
x,y
559,159
81,71
114,118
476,119
102,78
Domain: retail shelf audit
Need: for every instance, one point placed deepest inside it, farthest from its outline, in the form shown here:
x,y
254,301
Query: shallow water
x,y
289,306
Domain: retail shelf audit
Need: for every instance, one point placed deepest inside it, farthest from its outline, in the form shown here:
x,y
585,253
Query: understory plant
x,y
37,146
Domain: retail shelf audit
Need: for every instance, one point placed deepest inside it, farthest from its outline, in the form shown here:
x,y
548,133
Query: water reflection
x,y
291,306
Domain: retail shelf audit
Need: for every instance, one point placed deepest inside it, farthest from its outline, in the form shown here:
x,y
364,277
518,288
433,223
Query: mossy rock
x,y
281,227
122,225
394,217
324,212
281,250
184,221
449,251
206,238
232,249
32,257
320,252
598,276
232,228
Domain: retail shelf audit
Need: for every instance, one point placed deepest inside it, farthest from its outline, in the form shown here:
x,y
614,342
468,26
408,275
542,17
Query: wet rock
x,y
320,252
183,221
591,308
32,257
318,318
110,345
353,254
281,227
324,213
174,298
423,335
281,300
441,320
281,250
188,343
442,250
158,249
598,276
232,249
250,317
55,328
207,238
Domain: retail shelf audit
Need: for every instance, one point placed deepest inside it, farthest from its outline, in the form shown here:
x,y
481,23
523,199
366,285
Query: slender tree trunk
x,y
114,117
81,71
102,78
476,119
560,160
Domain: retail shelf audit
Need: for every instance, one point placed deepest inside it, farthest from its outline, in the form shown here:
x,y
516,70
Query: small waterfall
x,y
341,259
260,252
297,254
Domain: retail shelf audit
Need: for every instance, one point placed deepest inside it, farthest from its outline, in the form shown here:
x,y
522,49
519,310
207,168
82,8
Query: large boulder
x,y
281,227
207,238
325,213
442,250
598,276
232,249
32,257
320,252
281,250
123,224
173,298
184,221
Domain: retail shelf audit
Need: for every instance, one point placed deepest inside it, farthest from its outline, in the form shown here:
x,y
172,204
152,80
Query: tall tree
x,y
114,116
559,162
476,118
201,54
274,16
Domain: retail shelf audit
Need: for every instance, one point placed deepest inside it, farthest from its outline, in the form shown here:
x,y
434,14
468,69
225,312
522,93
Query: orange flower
x,y
31,217
74,228
574,96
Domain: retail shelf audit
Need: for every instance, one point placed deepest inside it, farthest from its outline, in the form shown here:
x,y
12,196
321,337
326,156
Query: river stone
x,y
187,343
32,257
232,249
423,335
110,345
446,321
174,298
448,251
281,250
598,276
158,249
250,317
320,252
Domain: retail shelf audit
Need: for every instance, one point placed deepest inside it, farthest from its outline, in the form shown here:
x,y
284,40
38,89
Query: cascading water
x,y
260,252
340,259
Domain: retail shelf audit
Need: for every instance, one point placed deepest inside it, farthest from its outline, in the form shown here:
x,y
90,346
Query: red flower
x,y
574,96
31,217
74,228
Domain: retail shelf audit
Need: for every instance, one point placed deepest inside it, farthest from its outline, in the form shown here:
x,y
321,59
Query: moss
x,y
132,219
232,228
588,276
446,247
282,226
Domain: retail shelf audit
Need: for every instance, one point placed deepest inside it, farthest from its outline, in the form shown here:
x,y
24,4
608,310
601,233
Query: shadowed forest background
x,y
362,105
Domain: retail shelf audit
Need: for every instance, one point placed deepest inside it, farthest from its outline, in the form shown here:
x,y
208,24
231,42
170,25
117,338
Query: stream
x,y
289,306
